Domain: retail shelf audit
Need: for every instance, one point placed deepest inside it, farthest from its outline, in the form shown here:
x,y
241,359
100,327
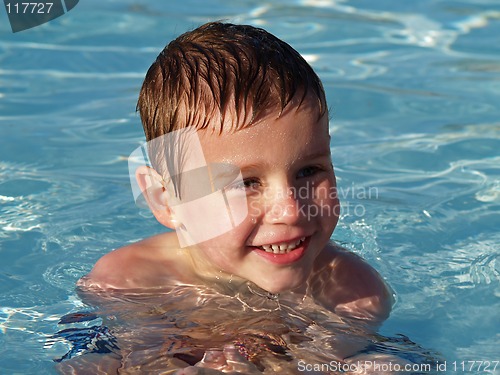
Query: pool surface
x,y
413,88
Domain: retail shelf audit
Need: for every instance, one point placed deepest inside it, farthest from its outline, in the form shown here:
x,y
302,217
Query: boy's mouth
x,y
283,253
283,247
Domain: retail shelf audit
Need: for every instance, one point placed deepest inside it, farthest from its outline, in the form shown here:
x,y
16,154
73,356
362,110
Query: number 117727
x,y
472,366
26,8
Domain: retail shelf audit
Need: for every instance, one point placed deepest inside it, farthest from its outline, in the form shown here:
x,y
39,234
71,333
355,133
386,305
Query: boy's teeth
x,y
267,248
282,248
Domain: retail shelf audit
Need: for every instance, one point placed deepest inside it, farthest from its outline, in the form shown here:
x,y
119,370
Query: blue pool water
x,y
413,87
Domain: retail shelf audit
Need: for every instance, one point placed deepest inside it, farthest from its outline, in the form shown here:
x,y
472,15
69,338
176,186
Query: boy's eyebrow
x,y
221,177
315,155
318,154
220,174
249,168
230,171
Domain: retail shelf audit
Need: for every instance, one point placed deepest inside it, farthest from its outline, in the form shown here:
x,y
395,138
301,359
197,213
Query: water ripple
x,y
485,269
65,274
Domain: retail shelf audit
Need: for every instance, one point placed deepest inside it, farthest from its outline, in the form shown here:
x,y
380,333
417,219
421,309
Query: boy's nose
x,y
281,206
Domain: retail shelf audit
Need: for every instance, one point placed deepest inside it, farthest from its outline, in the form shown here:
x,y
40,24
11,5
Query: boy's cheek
x,y
326,199
223,211
329,213
254,208
237,207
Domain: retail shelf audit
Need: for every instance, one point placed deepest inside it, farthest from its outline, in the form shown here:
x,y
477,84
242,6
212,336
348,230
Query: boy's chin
x,y
280,285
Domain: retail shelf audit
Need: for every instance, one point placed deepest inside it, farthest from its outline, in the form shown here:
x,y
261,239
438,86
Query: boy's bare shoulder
x,y
346,284
143,264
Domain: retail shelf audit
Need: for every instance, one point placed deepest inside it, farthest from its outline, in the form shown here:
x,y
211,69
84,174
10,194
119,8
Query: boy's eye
x,y
309,171
248,183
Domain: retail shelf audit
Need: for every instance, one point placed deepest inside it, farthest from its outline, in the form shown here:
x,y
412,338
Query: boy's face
x,y
291,198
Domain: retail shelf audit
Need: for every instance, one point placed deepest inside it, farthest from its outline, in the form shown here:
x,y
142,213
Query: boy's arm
x,y
350,287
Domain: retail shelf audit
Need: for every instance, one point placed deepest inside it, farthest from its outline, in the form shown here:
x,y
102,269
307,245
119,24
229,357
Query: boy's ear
x,y
153,189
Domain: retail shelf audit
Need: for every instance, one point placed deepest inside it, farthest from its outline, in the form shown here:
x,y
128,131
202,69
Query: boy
x,y
238,132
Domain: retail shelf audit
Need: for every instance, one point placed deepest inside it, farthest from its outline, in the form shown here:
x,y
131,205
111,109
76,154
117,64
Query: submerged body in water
x,y
181,325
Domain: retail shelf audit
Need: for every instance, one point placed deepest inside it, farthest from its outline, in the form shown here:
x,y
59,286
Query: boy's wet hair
x,y
223,69
221,77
